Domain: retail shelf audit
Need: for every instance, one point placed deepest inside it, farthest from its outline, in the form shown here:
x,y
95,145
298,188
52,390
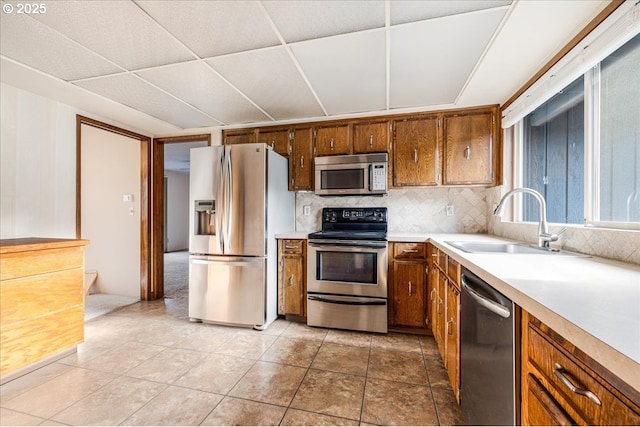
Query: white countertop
x,y
592,302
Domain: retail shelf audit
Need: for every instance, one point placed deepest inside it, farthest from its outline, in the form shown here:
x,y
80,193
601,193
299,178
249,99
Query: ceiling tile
x,y
347,72
198,85
432,60
304,20
403,11
270,78
130,90
30,42
212,28
118,30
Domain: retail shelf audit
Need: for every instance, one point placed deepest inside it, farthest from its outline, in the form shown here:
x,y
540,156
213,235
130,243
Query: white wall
x,y
177,211
37,166
110,168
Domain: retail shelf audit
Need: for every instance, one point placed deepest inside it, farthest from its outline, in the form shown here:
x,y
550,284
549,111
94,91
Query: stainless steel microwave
x,y
360,174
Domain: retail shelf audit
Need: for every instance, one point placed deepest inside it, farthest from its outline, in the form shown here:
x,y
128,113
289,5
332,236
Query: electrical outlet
x,y
450,211
306,210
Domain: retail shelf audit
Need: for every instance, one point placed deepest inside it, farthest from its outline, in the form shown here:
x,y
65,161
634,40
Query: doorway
x,y
170,218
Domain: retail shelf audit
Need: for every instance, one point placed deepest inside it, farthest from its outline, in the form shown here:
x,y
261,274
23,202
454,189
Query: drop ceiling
x,y
202,64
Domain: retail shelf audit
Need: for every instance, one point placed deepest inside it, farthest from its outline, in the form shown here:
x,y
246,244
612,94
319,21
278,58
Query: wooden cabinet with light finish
x,y
278,139
561,385
301,160
416,151
41,301
332,140
470,151
408,285
292,289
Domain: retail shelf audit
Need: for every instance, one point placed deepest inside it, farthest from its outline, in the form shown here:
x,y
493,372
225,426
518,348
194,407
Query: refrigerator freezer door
x,y
206,204
228,290
246,216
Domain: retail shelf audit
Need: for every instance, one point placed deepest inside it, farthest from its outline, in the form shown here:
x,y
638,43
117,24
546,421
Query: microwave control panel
x,y
378,177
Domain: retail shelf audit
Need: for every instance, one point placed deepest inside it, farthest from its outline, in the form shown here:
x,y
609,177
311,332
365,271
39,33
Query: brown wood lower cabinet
x,y
408,286
561,385
292,277
41,301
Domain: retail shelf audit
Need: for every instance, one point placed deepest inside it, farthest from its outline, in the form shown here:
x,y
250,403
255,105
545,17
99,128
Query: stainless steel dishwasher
x,y
487,354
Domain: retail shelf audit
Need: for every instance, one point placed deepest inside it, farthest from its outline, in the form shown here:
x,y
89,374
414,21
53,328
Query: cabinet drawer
x,y
562,373
409,250
292,246
453,271
31,263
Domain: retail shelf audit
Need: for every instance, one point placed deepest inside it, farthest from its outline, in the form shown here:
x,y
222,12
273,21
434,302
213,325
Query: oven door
x,y
347,267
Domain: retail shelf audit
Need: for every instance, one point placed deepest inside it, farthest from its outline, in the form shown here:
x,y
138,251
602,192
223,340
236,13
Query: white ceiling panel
x,y
130,90
26,40
118,30
304,20
432,60
403,11
198,85
212,28
271,79
517,50
348,73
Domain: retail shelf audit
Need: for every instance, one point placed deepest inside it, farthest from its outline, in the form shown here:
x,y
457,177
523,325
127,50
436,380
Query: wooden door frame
x,y
147,289
156,172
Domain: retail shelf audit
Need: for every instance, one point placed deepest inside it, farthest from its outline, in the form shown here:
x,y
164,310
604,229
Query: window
x,y
604,103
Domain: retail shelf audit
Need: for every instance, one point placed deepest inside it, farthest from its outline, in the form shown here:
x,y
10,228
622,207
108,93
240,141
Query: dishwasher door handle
x,y
490,305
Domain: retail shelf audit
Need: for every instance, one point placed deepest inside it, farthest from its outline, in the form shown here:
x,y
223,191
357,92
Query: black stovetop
x,y
353,224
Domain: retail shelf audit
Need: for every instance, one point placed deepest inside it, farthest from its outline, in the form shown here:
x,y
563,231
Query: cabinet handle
x,y
291,246
411,250
370,140
331,143
449,330
273,144
415,155
291,280
301,161
563,376
433,291
410,293
467,153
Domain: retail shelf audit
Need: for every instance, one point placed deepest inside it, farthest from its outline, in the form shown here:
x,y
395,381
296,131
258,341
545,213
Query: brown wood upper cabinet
x,y
332,140
278,139
301,160
371,137
416,147
239,136
470,153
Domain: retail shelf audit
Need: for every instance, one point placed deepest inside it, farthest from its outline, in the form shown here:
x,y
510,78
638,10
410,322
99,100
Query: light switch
x,y
127,197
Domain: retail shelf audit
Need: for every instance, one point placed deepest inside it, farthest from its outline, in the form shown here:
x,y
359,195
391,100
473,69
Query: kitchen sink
x,y
503,248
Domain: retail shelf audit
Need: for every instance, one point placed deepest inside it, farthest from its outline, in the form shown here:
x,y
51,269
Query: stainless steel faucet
x,y
544,237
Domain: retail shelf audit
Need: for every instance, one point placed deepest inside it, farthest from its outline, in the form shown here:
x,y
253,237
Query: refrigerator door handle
x,y
256,264
228,201
221,206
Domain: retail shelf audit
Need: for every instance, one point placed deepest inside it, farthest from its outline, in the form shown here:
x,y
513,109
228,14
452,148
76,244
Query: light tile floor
x,y
146,364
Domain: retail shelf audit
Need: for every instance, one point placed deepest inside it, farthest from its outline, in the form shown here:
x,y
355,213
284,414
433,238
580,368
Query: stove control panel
x,y
350,215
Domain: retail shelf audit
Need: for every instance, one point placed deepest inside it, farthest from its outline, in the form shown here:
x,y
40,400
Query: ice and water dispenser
x,y
205,221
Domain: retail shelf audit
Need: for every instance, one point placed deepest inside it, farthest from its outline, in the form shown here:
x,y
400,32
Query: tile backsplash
x,y
410,211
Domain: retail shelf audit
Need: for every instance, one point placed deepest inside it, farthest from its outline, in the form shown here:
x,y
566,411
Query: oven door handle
x,y
343,302
349,243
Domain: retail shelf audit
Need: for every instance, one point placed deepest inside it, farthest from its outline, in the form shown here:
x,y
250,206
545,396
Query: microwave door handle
x,y
370,176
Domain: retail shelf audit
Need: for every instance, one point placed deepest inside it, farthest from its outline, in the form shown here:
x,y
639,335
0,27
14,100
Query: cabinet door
x,y
409,294
240,136
371,137
468,148
415,152
540,408
452,330
293,270
439,333
301,160
276,139
332,140
432,286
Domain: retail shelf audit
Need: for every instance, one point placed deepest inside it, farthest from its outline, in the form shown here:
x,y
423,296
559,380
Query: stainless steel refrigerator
x,y
239,200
